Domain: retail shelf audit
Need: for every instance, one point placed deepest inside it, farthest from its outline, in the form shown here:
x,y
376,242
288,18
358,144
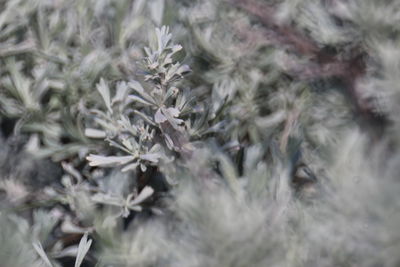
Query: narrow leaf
x,y
83,249
104,91
97,160
135,85
39,249
146,192
94,133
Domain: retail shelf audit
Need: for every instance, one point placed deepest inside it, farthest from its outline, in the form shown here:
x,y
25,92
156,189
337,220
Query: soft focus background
x,y
199,133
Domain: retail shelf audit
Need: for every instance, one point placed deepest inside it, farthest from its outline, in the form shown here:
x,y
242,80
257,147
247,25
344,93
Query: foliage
x,y
268,137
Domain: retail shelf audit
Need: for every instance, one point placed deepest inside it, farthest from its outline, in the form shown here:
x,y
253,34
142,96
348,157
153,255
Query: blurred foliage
x,y
241,133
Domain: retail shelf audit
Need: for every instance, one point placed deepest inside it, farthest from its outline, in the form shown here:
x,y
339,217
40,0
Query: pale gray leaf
x,y
95,133
97,160
39,249
84,246
146,192
104,91
159,117
135,85
140,100
129,167
152,157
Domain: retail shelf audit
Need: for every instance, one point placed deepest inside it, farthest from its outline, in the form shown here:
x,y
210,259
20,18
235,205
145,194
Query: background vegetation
x,y
199,133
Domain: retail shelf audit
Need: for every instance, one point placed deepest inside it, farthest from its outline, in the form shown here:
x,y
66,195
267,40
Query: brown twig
x,y
284,33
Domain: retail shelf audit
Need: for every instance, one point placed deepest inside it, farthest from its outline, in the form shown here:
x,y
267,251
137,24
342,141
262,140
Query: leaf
x,y
173,111
126,125
21,86
159,117
143,167
272,120
146,192
107,199
131,166
122,91
157,11
140,100
229,172
170,114
152,157
145,117
39,249
69,168
94,133
176,48
135,85
84,246
104,91
183,70
163,38
68,227
138,7
155,148
169,141
97,160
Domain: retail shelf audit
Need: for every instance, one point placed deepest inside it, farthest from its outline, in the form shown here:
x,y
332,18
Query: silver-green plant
x,y
283,152
131,118
52,54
